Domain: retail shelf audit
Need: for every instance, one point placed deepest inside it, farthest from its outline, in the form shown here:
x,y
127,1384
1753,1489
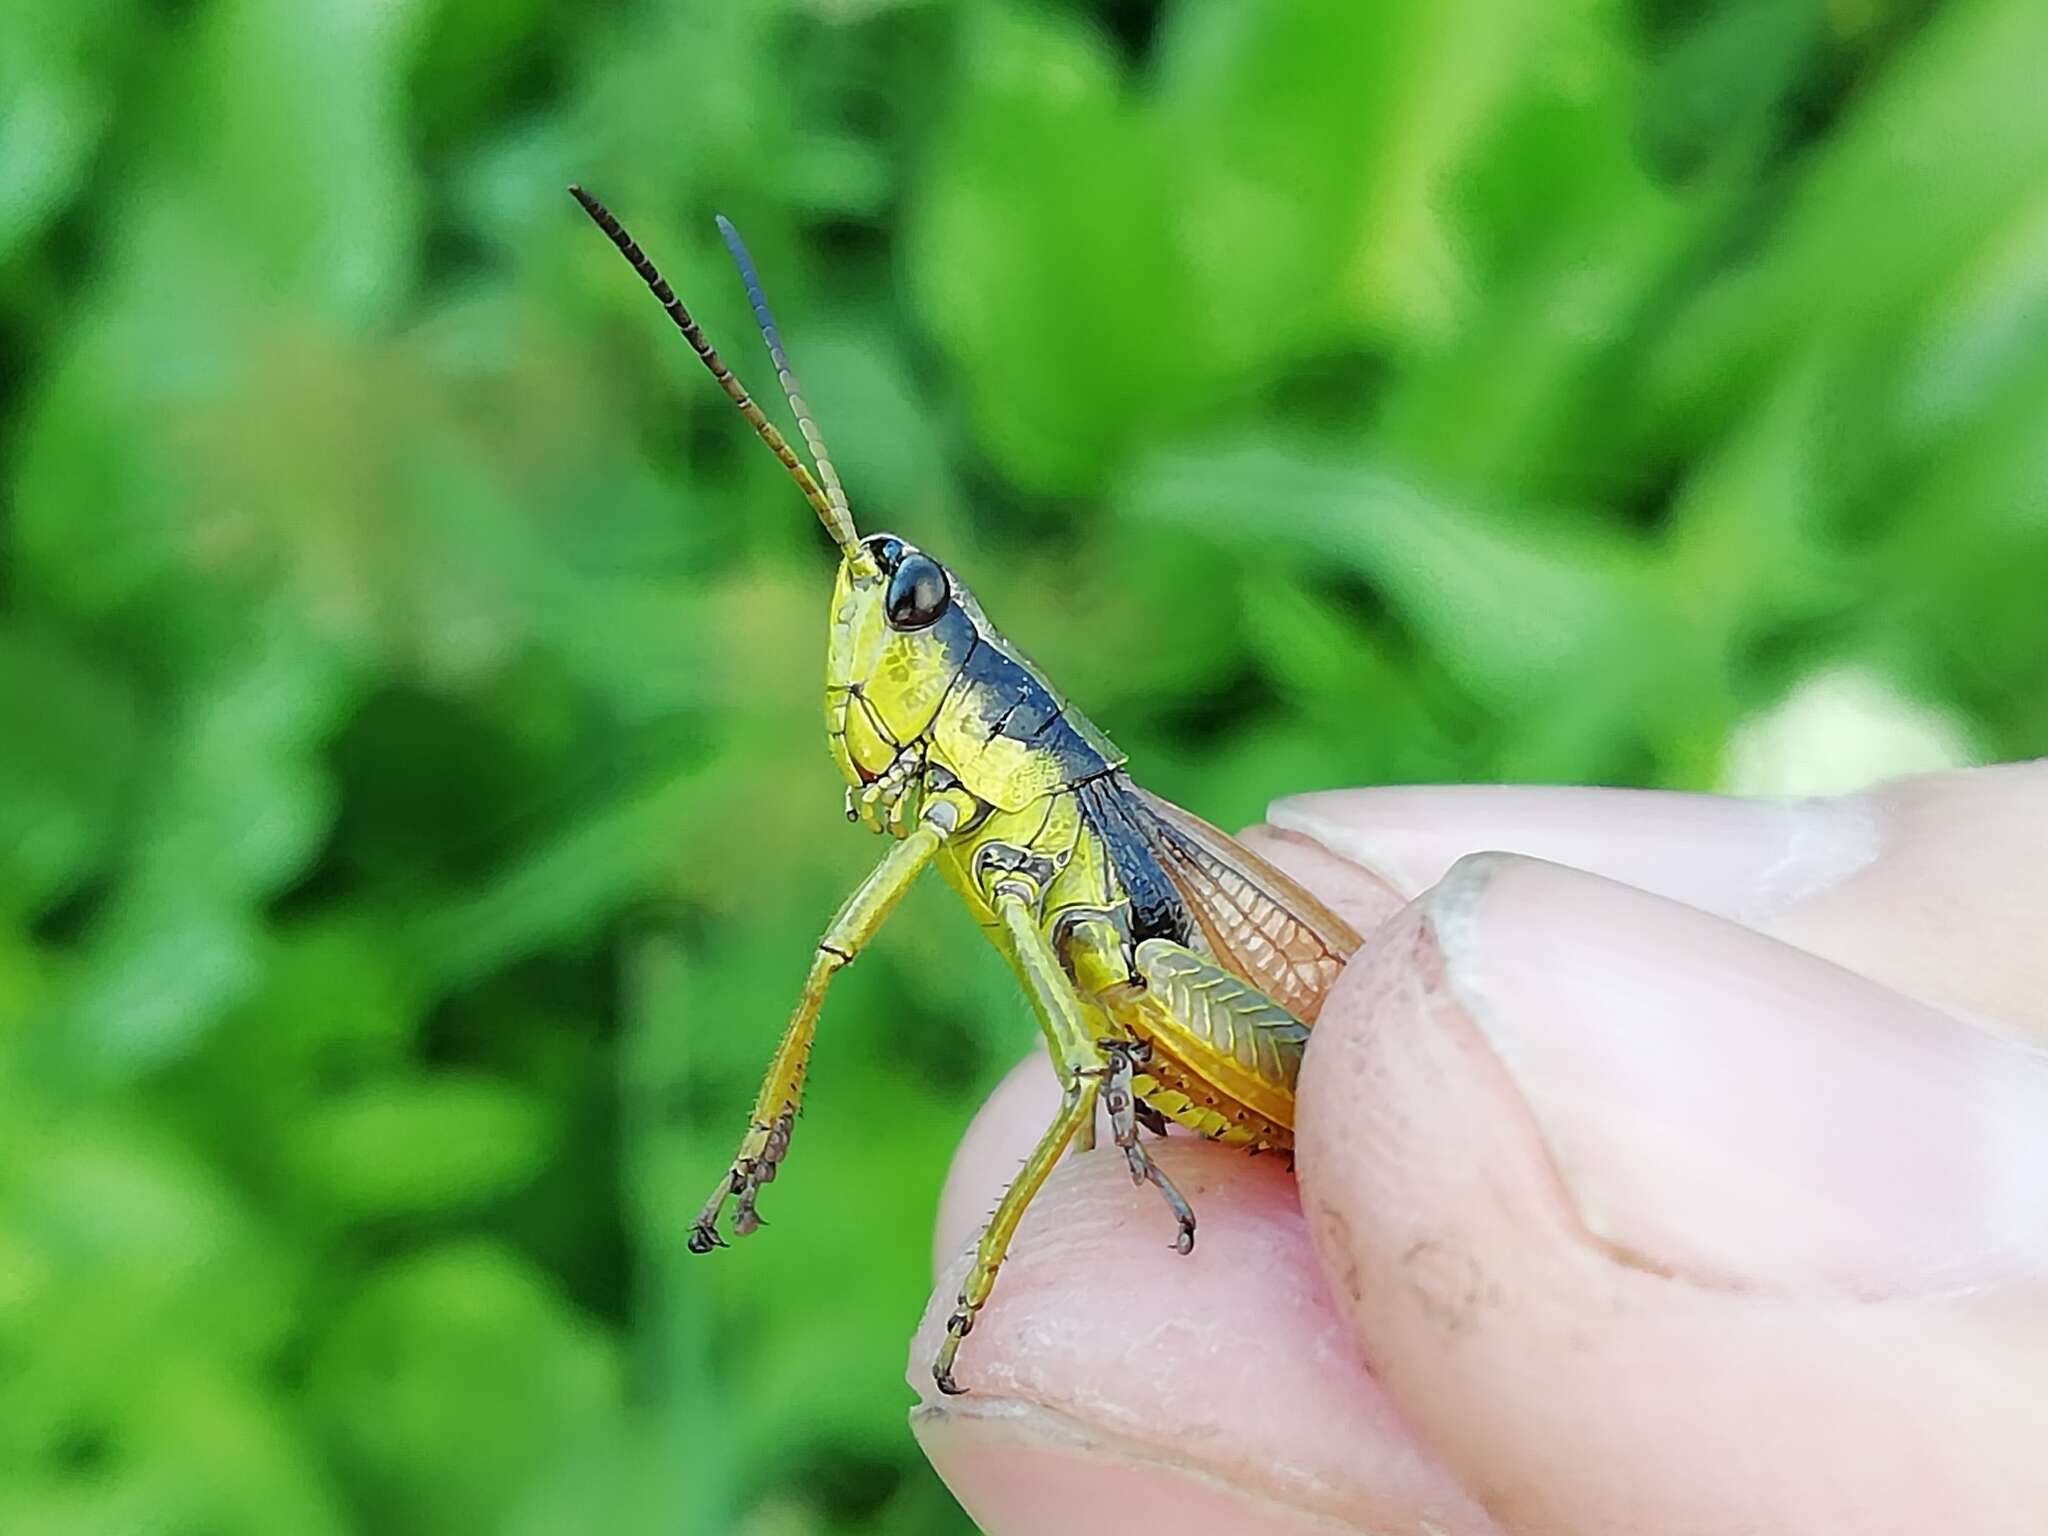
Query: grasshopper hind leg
x,y
1125,1110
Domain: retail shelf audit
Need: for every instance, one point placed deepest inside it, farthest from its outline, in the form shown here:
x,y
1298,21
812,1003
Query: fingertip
x,y
1742,858
1223,1380
1026,1471
1557,1159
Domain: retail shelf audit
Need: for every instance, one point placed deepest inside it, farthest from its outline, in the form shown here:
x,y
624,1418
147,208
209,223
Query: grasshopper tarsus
x,y
704,1238
958,1326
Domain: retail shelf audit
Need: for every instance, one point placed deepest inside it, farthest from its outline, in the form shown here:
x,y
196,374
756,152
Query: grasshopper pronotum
x,y
1174,973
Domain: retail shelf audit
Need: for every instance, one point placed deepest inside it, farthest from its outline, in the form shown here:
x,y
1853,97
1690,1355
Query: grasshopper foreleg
x,y
767,1139
892,803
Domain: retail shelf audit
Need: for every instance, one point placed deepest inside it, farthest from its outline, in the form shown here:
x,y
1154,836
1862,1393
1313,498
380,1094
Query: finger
x,y
1745,859
1937,886
1115,1385
1955,907
1650,1223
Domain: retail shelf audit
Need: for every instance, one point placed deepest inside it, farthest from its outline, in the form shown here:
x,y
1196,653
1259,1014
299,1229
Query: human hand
x,y
1705,1193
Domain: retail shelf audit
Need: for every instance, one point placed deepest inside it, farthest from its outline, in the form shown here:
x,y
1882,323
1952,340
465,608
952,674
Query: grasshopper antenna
x,y
832,510
813,438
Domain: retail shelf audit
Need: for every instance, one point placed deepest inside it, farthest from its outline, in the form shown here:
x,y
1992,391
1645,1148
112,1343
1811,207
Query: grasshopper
x,y
1174,973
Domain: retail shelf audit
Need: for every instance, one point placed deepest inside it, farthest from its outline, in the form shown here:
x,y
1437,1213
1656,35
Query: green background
x,y
413,807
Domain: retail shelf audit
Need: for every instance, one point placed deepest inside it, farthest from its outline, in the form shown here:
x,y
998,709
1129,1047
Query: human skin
x,y
1680,1171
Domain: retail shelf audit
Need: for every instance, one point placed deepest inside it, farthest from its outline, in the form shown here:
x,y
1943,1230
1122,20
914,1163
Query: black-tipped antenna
x,y
813,438
831,511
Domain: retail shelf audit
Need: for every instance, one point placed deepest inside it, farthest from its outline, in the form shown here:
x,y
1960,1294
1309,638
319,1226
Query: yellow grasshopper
x,y
1174,973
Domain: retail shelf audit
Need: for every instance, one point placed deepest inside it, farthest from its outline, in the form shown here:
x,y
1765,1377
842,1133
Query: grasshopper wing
x,y
1258,922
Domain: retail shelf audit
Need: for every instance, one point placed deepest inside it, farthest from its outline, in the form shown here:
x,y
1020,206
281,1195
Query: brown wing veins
x,y
1257,920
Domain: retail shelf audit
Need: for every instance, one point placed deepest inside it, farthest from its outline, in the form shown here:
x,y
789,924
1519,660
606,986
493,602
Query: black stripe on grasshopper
x,y
1156,910
1018,705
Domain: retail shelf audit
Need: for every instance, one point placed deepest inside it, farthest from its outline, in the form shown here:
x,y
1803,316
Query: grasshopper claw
x,y
761,1153
958,1326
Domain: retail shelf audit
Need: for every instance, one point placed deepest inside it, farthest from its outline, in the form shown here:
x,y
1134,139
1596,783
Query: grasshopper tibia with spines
x,y
1122,1104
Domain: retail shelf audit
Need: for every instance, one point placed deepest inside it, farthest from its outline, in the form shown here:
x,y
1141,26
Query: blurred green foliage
x,y
413,813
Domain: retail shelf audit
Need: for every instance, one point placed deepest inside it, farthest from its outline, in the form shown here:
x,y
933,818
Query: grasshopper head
x,y
901,630
902,627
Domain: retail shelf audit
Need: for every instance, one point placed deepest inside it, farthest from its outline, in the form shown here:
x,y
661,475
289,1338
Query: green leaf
x,y
66,773
411,1146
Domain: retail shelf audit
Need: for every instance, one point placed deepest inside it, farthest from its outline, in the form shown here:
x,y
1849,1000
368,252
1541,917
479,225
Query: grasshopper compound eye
x,y
918,593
